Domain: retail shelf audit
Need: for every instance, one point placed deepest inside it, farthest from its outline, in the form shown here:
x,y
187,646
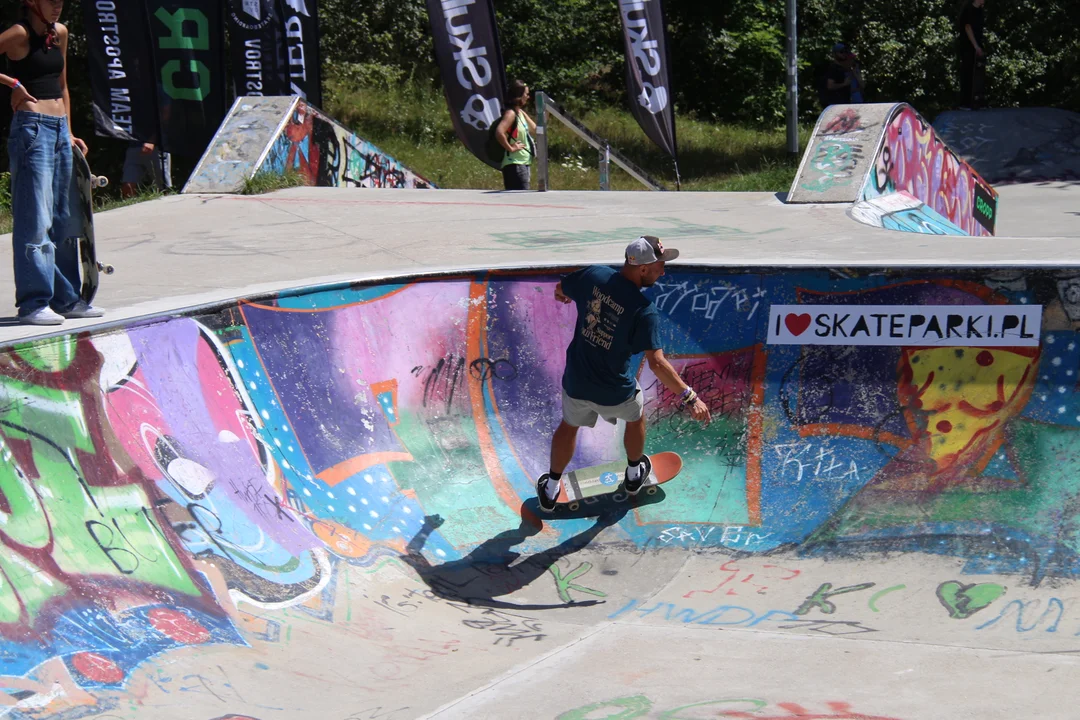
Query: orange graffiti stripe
x,y
755,424
856,431
345,470
475,324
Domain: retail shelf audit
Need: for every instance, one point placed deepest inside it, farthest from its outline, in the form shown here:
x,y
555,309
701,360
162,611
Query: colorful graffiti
x,y
157,478
93,574
915,161
329,155
839,153
899,211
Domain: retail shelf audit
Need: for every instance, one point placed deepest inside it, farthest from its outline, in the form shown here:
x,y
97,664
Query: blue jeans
x,y
46,259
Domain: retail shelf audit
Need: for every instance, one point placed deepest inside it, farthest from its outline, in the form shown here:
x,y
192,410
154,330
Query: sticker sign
x,y
985,207
941,325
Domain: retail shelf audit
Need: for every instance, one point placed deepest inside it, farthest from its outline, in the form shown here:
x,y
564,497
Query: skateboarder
x,y
615,321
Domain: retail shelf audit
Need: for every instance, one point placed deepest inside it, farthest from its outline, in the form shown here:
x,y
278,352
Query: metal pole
x,y
605,168
541,144
792,78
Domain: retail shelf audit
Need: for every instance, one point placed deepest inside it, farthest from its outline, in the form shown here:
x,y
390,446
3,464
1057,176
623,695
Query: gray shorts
x,y
582,413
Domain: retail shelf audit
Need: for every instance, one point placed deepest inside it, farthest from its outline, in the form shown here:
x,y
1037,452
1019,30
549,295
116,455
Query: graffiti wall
x,y
153,478
915,161
896,171
329,155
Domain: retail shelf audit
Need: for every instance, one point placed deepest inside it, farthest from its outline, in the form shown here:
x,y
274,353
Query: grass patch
x,y
410,122
111,203
266,181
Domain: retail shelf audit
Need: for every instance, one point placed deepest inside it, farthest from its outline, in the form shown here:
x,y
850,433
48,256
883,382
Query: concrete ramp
x,y
319,504
275,134
1016,145
889,165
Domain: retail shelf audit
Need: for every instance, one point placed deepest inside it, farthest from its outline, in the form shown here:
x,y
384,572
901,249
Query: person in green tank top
x,y
513,133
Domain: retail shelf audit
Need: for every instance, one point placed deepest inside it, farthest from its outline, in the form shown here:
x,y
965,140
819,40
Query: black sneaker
x,y
633,486
547,504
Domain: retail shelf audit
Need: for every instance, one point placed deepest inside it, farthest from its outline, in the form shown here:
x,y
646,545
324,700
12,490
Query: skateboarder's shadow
x,y
490,570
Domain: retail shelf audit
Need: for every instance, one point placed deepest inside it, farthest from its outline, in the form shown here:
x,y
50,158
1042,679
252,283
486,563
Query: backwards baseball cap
x,y
648,249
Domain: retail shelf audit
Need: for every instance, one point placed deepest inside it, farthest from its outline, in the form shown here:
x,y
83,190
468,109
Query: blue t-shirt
x,y
615,322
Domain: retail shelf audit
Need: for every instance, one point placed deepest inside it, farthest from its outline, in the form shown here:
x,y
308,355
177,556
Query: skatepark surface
x,y
290,474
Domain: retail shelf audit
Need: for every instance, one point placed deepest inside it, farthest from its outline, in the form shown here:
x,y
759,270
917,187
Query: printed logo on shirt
x,y
600,320
940,325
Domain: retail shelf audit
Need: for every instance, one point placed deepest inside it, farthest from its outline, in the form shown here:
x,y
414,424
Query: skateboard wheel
x,y
574,506
651,490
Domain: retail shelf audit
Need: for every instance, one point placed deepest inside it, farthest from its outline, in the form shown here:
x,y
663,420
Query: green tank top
x,y
523,156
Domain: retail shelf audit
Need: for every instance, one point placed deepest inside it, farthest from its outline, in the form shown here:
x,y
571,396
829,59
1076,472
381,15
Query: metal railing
x,y
545,106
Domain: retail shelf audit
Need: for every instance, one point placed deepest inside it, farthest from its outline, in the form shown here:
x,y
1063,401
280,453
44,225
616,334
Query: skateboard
x,y
82,206
978,83
590,484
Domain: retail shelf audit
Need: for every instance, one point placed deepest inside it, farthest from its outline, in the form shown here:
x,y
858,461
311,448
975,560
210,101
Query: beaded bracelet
x,y
17,84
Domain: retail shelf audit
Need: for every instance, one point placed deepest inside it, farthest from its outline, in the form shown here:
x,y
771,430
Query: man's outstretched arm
x,y
671,380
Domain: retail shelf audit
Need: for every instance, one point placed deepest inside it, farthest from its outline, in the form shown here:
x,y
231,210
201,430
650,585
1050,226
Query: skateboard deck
x,y
592,483
83,207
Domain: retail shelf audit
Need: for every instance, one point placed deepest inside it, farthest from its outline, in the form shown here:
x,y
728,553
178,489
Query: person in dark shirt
x,y
970,44
615,322
843,78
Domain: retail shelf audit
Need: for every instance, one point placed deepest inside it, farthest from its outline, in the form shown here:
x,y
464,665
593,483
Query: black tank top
x,y
39,71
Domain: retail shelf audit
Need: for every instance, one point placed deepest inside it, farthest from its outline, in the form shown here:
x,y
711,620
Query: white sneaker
x,y
42,316
82,309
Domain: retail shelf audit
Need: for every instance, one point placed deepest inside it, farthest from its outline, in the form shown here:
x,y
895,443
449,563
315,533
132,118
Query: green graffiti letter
x,y
565,583
820,598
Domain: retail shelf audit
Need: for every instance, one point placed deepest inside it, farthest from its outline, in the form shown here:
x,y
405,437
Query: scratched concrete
x,y
397,650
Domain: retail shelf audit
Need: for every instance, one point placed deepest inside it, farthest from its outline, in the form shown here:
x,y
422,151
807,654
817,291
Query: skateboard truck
x,y
100,181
